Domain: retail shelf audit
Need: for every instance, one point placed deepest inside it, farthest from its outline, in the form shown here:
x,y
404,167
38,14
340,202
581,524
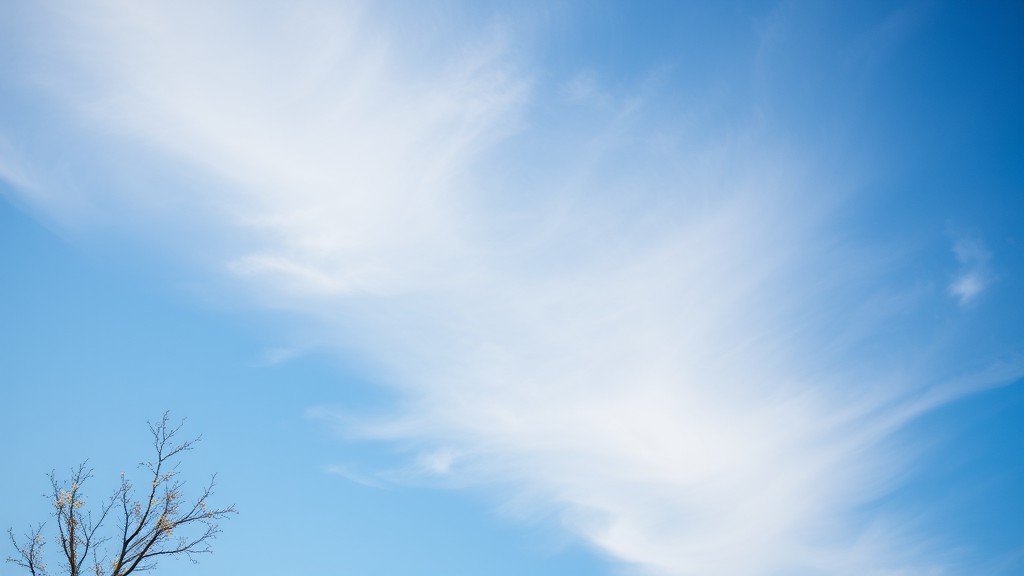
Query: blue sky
x,y
553,288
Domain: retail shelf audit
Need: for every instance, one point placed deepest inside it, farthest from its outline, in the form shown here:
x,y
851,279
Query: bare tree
x,y
162,523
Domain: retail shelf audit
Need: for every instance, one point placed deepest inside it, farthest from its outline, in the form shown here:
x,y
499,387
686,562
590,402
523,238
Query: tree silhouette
x,y
161,524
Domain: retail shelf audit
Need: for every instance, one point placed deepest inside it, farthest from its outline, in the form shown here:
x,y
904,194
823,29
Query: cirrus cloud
x,y
599,313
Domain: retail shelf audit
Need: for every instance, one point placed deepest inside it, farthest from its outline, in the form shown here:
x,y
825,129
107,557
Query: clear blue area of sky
x,y
96,338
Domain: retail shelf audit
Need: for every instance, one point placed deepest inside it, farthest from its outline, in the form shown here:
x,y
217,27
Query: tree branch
x,y
163,525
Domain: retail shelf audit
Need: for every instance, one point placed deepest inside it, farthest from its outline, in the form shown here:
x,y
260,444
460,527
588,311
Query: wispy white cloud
x,y
11,170
353,476
974,275
640,330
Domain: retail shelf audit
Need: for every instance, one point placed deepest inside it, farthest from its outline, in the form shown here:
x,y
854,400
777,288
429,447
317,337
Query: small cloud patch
x,y
973,276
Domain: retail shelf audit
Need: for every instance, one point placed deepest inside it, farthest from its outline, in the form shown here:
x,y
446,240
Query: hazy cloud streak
x,y
643,331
